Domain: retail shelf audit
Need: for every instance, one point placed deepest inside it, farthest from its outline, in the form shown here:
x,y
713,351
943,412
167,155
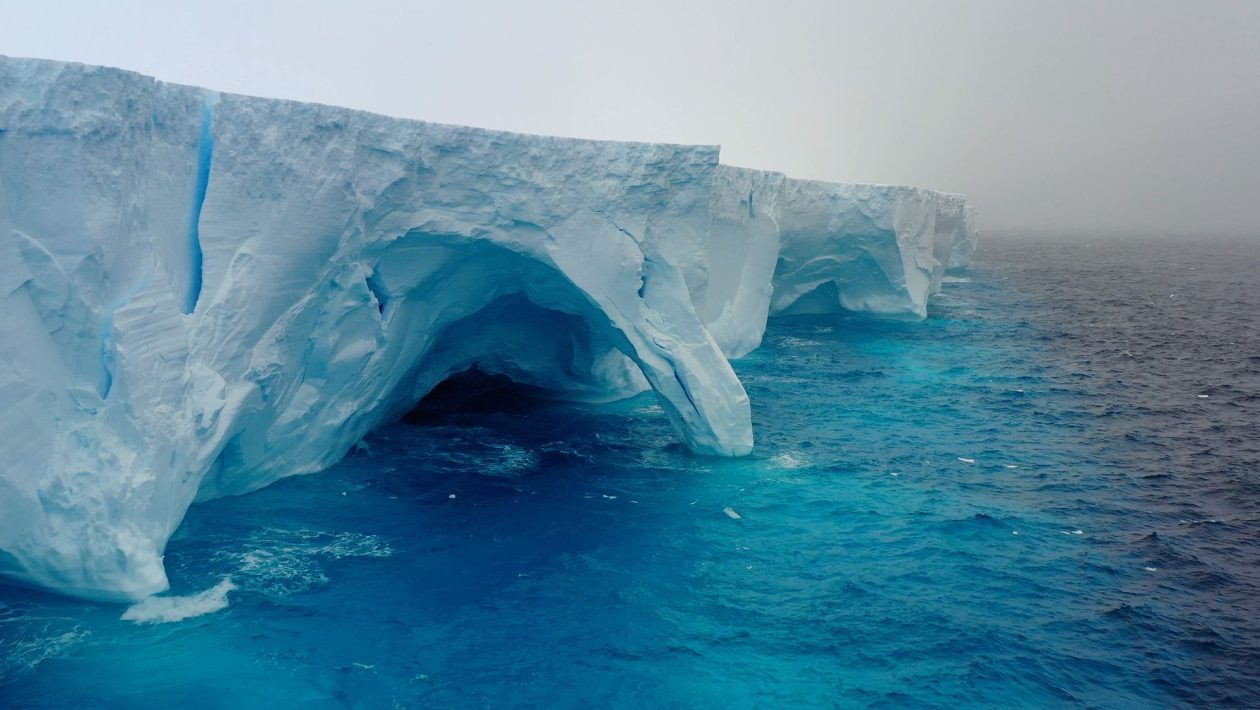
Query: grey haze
x,y
1121,117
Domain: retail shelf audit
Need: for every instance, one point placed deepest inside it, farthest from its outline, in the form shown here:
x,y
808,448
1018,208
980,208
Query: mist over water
x,y
1047,494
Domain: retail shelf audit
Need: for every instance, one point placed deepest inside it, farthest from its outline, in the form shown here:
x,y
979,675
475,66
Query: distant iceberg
x,y
206,292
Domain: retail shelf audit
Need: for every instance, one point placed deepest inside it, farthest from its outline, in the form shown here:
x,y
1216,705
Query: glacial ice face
x,y
964,242
780,245
206,292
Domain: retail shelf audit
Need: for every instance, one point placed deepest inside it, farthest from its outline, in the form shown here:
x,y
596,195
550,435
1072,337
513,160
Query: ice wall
x,y
205,292
964,241
779,245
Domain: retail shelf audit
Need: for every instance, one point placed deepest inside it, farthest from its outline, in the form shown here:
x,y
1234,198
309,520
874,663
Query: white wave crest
x,y
790,461
161,610
792,342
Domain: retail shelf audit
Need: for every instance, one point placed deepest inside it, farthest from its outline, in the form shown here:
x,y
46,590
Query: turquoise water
x,y
1009,504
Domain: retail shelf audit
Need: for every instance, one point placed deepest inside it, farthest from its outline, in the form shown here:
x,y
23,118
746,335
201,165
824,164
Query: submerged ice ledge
x,y
206,292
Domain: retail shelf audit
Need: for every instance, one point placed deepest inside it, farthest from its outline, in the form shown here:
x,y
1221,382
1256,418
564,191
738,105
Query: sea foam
x,y
161,610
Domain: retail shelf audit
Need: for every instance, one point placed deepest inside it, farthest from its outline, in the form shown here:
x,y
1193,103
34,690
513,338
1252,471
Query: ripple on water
x,y
279,563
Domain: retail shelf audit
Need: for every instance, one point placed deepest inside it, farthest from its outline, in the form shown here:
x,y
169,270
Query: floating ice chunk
x,y
161,610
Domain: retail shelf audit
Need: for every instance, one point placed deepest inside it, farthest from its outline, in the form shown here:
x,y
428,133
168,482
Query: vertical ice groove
x,y
378,291
205,153
106,382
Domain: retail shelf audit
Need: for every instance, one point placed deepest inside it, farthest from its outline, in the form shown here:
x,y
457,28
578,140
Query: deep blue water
x,y
1026,500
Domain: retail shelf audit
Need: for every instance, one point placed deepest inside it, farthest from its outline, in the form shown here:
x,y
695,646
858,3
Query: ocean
x,y
1045,495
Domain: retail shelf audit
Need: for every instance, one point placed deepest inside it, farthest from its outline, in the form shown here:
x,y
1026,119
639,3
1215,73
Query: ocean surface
x,y
1046,495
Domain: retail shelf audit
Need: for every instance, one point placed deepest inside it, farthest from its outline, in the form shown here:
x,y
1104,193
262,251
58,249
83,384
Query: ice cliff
x,y
204,292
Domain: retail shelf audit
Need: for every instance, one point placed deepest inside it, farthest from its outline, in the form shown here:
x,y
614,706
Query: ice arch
x,y
204,293
436,303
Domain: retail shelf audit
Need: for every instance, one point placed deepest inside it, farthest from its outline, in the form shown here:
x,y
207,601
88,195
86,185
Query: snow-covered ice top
x,y
206,292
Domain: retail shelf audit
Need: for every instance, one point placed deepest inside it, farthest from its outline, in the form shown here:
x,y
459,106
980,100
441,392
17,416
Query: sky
x,y
1065,118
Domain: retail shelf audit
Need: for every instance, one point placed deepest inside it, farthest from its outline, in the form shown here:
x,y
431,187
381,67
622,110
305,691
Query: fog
x,y
1059,118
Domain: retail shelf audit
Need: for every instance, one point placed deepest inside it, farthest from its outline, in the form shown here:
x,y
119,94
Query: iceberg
x,y
958,220
205,292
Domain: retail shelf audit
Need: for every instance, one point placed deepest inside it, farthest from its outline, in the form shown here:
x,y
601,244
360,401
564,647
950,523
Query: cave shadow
x,y
474,394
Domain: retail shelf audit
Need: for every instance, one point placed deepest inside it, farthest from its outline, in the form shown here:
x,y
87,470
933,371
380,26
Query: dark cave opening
x,y
475,392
